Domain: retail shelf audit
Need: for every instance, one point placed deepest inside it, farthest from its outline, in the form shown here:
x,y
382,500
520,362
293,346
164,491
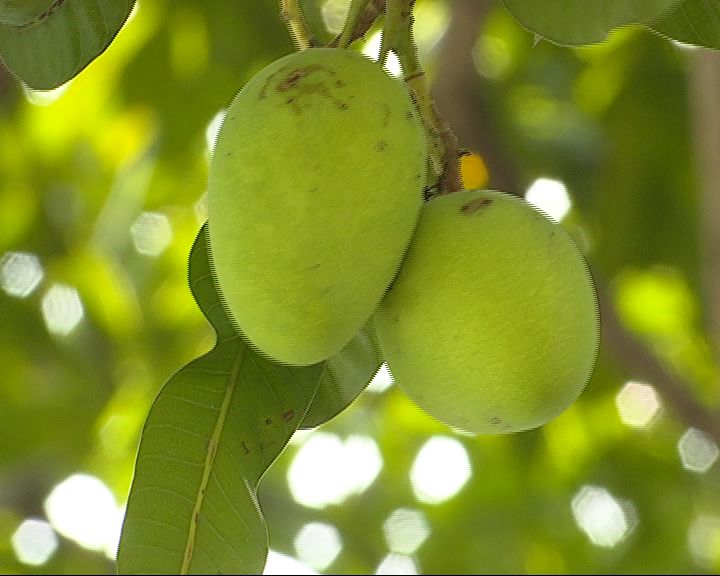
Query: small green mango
x,y
492,323
315,189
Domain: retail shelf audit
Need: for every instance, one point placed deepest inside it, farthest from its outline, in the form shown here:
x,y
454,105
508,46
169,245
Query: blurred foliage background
x,y
102,187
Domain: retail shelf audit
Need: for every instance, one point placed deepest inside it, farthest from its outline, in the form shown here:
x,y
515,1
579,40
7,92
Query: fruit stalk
x,y
291,13
356,9
443,149
364,21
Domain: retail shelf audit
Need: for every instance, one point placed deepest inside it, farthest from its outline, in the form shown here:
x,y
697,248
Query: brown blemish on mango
x,y
295,76
263,91
386,116
475,205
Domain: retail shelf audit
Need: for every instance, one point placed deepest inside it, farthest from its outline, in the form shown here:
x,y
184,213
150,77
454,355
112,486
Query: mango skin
x,y
315,189
492,323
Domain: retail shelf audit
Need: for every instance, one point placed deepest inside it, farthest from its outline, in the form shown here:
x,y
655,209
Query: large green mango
x,y
492,323
315,189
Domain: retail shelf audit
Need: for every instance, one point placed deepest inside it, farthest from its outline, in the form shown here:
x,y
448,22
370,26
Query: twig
x,y
291,13
443,150
705,84
363,23
643,364
460,98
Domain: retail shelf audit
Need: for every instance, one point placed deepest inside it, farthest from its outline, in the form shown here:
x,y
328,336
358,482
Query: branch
x,y
443,151
364,22
291,13
461,100
644,365
705,99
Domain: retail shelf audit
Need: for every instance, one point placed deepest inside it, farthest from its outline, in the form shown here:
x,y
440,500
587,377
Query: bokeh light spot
x,y
491,56
83,509
550,196
327,470
600,516
397,564
333,14
151,233
405,530
382,380
34,542
372,50
637,404
62,309
278,563
46,97
20,273
441,468
698,451
318,544
704,540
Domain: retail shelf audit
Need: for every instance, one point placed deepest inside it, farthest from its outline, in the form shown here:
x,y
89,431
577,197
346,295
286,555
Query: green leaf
x,y
574,22
693,22
213,430
345,375
47,47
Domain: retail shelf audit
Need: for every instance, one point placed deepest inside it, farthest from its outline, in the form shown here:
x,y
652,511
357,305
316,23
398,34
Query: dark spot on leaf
x,y
339,83
475,205
245,448
341,105
408,115
288,415
228,153
268,421
380,146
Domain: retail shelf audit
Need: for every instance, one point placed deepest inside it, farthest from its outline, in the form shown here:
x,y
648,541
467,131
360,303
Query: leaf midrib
x,y
213,444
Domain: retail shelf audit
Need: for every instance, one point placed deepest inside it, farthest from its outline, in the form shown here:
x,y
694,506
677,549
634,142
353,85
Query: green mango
x,y
315,189
492,323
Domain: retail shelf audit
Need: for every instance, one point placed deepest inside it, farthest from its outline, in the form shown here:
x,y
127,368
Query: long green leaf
x,y
212,432
693,22
53,45
575,22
